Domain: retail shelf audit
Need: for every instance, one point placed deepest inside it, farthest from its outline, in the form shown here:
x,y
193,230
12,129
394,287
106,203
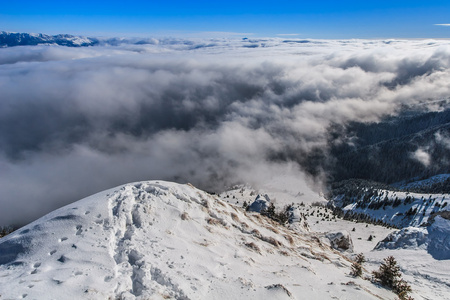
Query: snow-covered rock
x,y
260,204
407,238
340,240
435,238
297,219
439,238
161,240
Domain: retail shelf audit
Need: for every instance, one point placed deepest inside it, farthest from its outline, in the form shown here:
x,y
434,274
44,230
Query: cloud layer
x,y
214,113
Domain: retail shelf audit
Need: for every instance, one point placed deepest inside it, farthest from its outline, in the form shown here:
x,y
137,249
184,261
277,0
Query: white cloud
x,y
421,156
442,139
76,121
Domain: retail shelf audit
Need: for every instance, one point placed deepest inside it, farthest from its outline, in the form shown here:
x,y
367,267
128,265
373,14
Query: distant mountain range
x,y
10,39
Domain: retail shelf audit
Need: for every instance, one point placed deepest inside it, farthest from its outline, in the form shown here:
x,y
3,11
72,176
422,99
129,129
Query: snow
x,y
407,238
156,240
161,240
260,204
425,203
439,238
435,239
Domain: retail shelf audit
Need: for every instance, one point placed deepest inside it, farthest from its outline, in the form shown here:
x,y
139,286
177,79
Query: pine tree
x,y
245,205
389,273
270,212
360,259
402,288
357,265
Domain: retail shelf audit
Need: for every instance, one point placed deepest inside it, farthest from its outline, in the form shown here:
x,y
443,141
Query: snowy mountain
x,y
164,240
11,39
161,240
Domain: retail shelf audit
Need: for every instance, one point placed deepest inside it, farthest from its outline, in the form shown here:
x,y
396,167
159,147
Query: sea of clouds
x,y
74,121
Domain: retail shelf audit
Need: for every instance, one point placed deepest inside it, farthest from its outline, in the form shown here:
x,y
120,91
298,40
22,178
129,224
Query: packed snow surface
x,y
160,240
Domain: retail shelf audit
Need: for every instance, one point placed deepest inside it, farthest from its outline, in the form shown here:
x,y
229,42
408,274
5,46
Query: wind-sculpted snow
x,y
155,240
74,121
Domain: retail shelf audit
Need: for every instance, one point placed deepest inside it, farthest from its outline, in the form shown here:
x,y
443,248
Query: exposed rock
x,y
340,240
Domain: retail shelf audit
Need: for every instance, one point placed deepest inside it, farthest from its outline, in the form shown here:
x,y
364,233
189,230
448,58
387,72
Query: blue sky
x,y
303,19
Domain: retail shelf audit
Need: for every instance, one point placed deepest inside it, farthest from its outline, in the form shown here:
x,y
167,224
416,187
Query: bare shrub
x,y
290,239
184,216
253,246
212,221
256,233
271,240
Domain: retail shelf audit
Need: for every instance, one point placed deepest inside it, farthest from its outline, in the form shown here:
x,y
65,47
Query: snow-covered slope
x,y
159,240
394,207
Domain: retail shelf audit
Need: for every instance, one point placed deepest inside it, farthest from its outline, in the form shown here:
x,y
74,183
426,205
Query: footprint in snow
x,y
79,230
62,259
62,239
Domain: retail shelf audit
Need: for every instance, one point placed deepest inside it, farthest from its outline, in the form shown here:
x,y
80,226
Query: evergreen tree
x,y
389,272
270,212
357,265
389,276
402,288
